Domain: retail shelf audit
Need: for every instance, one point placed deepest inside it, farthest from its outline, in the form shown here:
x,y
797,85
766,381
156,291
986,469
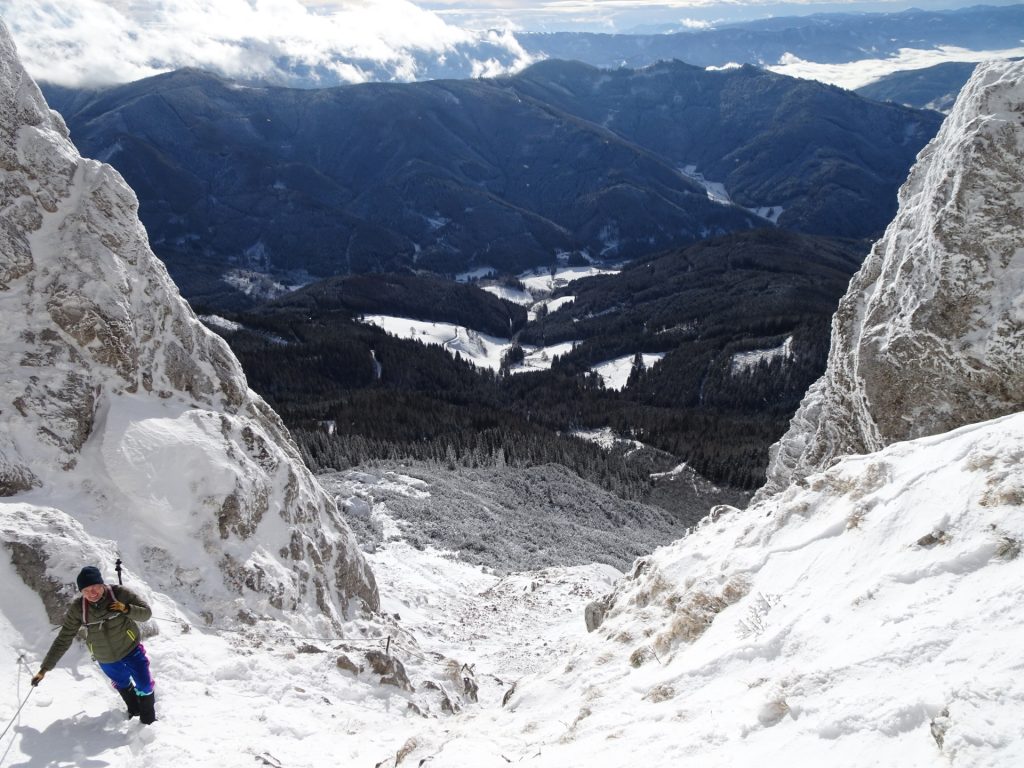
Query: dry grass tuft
x,y
660,693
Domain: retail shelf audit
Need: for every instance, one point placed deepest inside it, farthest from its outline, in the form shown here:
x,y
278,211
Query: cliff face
x,y
930,335
123,417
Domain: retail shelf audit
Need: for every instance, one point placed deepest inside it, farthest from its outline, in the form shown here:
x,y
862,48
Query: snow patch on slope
x,y
745,361
515,295
615,373
481,349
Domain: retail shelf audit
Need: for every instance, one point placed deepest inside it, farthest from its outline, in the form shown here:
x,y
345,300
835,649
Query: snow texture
x,y
128,429
930,335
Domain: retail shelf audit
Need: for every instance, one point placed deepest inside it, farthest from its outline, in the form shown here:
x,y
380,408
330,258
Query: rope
x,y
13,719
361,642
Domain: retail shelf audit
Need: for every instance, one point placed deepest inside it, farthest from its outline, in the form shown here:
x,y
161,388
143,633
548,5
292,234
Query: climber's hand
x,y
118,606
38,678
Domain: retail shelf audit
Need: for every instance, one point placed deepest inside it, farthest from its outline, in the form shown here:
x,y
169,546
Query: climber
x,y
109,615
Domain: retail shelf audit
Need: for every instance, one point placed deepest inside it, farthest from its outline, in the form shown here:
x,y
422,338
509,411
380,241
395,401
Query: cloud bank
x,y
98,42
856,74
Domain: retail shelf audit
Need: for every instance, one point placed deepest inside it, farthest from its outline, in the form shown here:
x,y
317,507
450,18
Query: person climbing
x,y
109,615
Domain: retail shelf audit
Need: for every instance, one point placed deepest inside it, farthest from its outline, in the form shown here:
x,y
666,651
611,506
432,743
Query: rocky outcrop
x,y
120,411
930,335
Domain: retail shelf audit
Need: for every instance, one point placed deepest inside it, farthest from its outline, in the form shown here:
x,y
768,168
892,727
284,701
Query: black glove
x,y
38,678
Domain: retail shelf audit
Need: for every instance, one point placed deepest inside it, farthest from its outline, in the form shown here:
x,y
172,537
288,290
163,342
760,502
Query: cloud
x,y
857,74
695,24
96,42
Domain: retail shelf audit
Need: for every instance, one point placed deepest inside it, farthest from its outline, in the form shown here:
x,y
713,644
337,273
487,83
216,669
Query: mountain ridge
x,y
479,173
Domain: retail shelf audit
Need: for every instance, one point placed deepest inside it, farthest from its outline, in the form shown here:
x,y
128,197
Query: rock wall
x,y
930,335
121,411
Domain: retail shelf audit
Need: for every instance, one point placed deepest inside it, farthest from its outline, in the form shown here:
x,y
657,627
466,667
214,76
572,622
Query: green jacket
x,y
110,635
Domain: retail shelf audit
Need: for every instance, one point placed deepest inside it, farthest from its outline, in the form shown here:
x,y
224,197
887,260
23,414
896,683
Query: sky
x,y
99,42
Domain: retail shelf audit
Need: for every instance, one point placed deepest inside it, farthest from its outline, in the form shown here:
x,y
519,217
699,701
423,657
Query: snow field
x,y
480,349
745,361
515,295
541,282
486,351
615,373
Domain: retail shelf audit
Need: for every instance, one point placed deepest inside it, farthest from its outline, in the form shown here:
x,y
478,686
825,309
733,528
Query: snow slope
x,y
741,362
868,618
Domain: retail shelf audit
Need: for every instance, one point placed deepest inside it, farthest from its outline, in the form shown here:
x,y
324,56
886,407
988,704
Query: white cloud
x,y
695,24
83,42
857,74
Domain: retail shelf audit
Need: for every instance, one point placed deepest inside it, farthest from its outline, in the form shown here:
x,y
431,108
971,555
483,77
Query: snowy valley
x,y
864,611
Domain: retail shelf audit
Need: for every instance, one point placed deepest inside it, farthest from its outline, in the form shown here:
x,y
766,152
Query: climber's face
x,y
93,592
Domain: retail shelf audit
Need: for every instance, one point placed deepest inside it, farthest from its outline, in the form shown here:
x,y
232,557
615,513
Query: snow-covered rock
x,y
930,335
126,427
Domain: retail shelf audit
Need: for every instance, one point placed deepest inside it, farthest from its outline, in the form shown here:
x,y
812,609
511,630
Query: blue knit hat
x,y
88,576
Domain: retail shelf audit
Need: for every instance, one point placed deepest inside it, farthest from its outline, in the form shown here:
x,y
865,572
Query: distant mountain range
x,y
927,88
826,38
443,176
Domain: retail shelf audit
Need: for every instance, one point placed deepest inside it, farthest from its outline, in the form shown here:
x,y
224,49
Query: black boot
x,y
147,709
131,701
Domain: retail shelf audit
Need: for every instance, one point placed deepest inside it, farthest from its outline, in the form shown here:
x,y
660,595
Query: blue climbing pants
x,y
133,668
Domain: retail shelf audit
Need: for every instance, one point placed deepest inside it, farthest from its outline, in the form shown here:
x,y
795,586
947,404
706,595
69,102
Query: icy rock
x,y
930,335
390,669
345,663
594,614
113,394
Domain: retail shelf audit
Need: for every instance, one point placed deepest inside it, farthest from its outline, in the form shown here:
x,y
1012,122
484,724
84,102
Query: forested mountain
x,y
420,297
928,88
756,293
506,172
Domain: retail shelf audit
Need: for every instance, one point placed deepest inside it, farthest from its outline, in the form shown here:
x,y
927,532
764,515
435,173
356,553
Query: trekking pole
x,y
13,719
117,567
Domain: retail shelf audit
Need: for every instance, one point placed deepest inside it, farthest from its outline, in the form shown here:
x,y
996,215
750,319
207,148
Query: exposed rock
x,y
114,394
594,614
391,670
930,335
344,662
